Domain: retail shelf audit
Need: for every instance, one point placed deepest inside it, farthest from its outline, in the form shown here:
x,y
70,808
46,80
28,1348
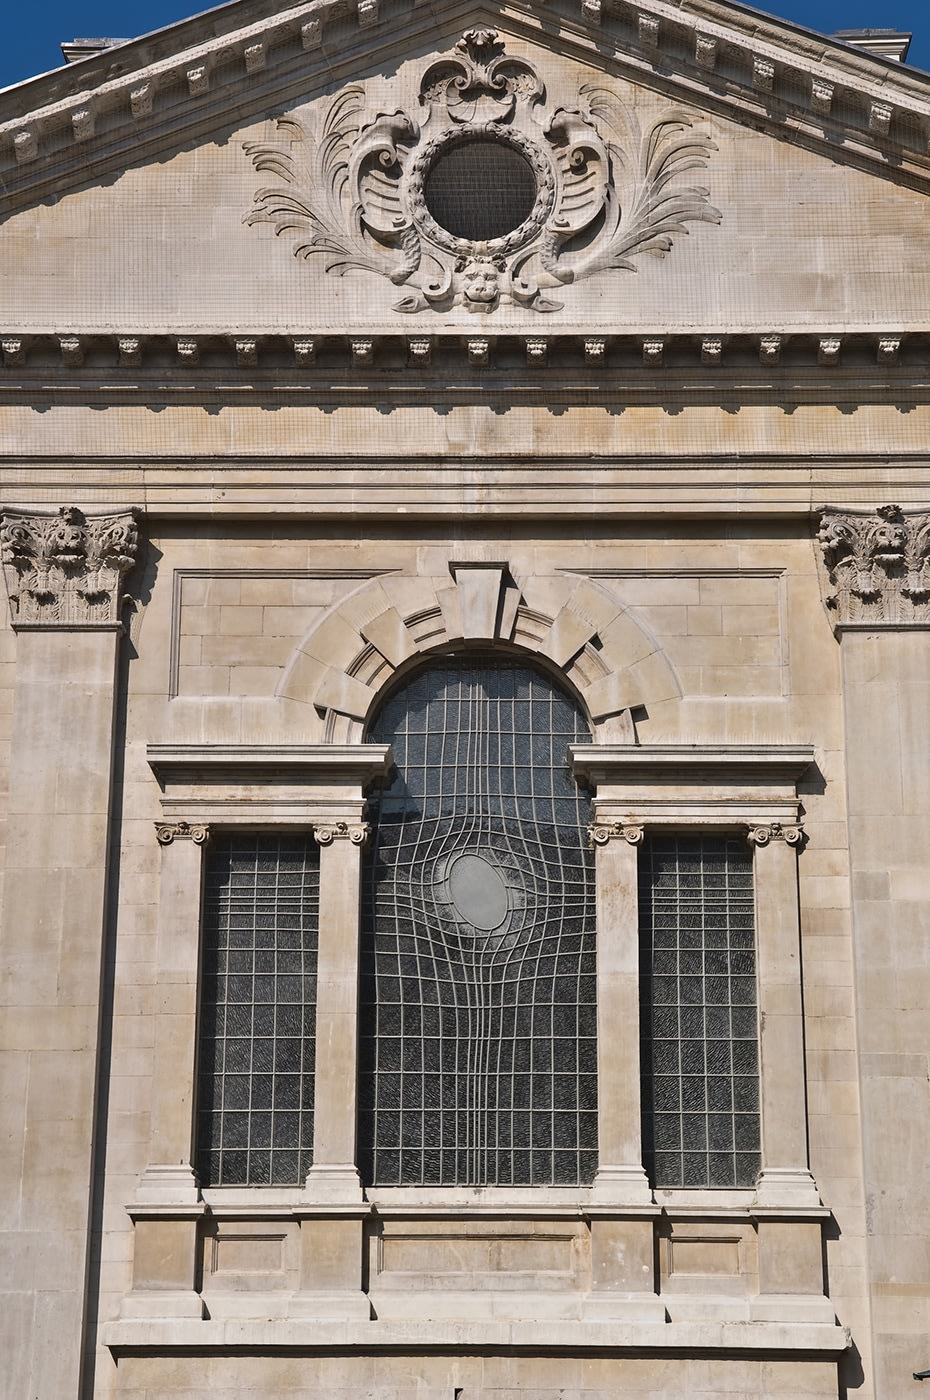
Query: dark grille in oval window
x,y
480,190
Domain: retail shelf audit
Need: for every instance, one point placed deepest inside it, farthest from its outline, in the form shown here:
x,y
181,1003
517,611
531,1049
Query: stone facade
x,y
284,417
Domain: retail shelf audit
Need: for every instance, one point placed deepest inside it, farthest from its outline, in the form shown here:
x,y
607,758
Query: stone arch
x,y
344,662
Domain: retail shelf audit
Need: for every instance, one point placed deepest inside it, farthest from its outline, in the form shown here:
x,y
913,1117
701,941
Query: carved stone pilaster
x,y
876,566
792,835
166,833
326,833
66,570
602,832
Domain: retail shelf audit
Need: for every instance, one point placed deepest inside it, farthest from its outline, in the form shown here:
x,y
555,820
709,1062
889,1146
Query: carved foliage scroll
x,y
876,565
483,195
67,569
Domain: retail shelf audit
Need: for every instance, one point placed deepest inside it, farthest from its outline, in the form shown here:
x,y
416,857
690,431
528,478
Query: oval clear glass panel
x,y
478,892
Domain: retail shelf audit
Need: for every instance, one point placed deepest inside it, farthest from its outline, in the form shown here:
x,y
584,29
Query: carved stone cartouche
x,y
598,192
67,569
877,565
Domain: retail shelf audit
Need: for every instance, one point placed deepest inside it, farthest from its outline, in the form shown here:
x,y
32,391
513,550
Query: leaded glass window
x,y
257,1033
478,1050
699,1018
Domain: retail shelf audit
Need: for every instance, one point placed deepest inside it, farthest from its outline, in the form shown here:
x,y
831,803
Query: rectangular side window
x,y
699,1017
258,1009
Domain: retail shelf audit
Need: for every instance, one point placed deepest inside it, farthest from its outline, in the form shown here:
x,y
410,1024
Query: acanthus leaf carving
x,y
876,565
597,191
67,569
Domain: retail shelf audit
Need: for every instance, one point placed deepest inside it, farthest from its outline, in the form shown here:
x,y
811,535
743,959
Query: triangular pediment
x,y
193,79
271,171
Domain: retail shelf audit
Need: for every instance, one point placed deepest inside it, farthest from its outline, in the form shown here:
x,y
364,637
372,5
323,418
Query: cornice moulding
x,y
256,763
746,764
76,120
121,359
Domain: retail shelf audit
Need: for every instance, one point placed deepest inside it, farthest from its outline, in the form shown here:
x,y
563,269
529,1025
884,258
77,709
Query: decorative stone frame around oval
x,y
475,132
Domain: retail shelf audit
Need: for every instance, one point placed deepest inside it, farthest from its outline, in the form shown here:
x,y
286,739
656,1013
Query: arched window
x,y
478,1049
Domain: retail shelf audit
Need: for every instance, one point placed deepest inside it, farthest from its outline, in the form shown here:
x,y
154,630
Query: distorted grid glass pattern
x,y
257,1036
478,1043
698,1015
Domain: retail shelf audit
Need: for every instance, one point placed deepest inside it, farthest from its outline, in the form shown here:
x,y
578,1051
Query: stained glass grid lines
x,y
478,1034
257,1033
699,1018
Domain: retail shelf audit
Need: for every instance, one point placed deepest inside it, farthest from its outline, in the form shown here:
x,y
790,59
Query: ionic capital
x,y
600,833
166,833
326,833
67,569
876,565
793,834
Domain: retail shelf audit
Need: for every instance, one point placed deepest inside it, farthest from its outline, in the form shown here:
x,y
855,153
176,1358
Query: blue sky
x,y
32,32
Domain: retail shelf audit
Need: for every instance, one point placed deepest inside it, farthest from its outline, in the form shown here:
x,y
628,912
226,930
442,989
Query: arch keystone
x,y
479,588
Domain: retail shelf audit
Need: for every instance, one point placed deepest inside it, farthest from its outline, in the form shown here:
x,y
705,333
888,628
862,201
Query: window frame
x,y
748,788
322,787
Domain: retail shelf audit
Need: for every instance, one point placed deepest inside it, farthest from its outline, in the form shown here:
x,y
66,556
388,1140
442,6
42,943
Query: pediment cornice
x,y
184,82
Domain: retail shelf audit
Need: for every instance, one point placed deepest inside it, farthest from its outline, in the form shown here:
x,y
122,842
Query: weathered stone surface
x,y
639,450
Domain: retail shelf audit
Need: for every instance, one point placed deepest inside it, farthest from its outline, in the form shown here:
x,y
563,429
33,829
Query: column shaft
x,y
336,1094
785,1171
177,958
52,938
620,1169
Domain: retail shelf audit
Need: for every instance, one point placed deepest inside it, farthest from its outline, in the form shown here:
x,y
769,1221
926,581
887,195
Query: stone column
x,y
177,956
332,1230
64,575
168,1207
334,1174
620,1174
785,1178
622,1247
876,578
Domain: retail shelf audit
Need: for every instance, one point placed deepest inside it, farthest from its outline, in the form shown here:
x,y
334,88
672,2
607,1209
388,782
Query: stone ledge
x,y
267,1335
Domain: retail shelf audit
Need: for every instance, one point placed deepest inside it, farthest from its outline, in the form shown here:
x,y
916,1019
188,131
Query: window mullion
x,y
785,1175
334,1173
620,1174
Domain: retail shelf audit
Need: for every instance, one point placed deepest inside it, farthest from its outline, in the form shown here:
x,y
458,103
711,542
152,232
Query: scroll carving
x,y
356,832
876,565
67,569
602,832
598,191
792,835
166,833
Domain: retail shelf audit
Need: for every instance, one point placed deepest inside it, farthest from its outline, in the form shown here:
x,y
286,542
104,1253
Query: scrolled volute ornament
x,y
875,565
166,833
407,195
601,833
791,833
325,833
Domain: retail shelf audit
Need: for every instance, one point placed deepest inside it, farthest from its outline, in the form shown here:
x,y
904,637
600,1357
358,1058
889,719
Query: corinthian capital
x,y
66,570
876,565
